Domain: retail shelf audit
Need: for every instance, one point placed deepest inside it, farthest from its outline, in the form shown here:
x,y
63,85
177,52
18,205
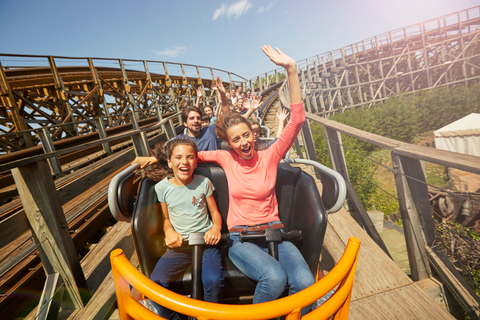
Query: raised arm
x,y
252,106
282,60
282,115
199,96
221,90
219,98
297,111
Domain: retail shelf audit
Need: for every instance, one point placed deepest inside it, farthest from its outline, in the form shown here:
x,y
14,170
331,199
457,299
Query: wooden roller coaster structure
x,y
75,115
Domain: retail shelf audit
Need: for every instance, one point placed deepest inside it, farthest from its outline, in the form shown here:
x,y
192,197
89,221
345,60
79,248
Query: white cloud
x,y
219,12
171,52
235,9
263,9
239,8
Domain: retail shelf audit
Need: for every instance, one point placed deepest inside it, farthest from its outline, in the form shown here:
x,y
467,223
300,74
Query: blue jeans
x,y
253,260
173,264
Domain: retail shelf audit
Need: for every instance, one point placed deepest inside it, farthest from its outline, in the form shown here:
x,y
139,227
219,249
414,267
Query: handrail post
x,y
102,133
62,95
416,213
308,141
339,164
158,108
48,147
49,227
177,108
101,92
140,144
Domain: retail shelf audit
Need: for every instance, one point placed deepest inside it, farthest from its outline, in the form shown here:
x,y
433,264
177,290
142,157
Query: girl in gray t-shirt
x,y
184,198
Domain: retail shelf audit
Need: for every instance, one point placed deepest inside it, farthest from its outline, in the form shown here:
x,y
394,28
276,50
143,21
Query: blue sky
x,y
221,34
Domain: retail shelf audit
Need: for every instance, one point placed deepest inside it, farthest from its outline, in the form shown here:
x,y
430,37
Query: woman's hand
x,y
173,239
144,161
213,235
282,60
279,58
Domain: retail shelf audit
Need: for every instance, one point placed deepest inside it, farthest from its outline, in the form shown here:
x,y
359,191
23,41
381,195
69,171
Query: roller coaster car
x,y
300,208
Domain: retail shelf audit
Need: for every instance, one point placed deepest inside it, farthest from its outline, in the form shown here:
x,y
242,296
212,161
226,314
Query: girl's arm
x,y
213,235
282,115
145,161
254,105
173,239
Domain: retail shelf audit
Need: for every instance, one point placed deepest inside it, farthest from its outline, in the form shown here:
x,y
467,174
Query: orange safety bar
x,y
125,274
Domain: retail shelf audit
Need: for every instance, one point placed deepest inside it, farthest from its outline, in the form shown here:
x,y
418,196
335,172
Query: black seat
x,y
300,208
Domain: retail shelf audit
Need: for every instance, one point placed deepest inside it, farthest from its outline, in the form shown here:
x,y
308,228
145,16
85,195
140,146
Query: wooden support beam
x,y
140,144
61,94
47,144
411,207
97,81
339,164
455,283
308,141
31,105
52,295
75,109
102,133
49,227
18,120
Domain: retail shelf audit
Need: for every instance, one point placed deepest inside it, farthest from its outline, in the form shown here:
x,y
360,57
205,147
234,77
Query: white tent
x,y
461,136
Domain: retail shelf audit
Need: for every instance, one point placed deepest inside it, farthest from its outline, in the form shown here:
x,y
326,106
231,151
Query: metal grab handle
x,y
342,188
273,237
196,241
113,201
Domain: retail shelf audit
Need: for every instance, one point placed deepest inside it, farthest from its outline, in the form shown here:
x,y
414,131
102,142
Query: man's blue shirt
x,y
206,140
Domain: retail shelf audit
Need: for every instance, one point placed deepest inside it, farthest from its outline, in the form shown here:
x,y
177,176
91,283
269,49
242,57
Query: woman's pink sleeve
x,y
208,156
297,118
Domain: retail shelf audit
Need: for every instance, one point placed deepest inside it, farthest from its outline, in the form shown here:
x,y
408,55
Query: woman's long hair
x,y
224,122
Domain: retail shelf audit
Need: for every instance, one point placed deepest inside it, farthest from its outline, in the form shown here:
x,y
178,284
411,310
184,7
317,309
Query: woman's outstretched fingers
x,y
278,57
268,50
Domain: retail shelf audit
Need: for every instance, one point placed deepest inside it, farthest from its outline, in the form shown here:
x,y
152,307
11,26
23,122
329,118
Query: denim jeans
x,y
253,260
173,264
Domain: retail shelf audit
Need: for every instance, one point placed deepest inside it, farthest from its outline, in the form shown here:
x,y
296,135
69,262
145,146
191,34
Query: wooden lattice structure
x,y
45,92
441,52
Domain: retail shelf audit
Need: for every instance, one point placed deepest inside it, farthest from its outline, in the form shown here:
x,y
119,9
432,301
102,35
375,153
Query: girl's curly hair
x,y
163,151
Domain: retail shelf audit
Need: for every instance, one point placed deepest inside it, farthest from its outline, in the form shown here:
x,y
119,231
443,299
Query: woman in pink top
x,y
251,177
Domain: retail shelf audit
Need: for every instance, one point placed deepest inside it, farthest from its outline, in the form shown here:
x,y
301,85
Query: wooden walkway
x,y
381,289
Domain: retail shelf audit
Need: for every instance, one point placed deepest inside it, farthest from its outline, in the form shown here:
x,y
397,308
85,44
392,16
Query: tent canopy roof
x,y
466,126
